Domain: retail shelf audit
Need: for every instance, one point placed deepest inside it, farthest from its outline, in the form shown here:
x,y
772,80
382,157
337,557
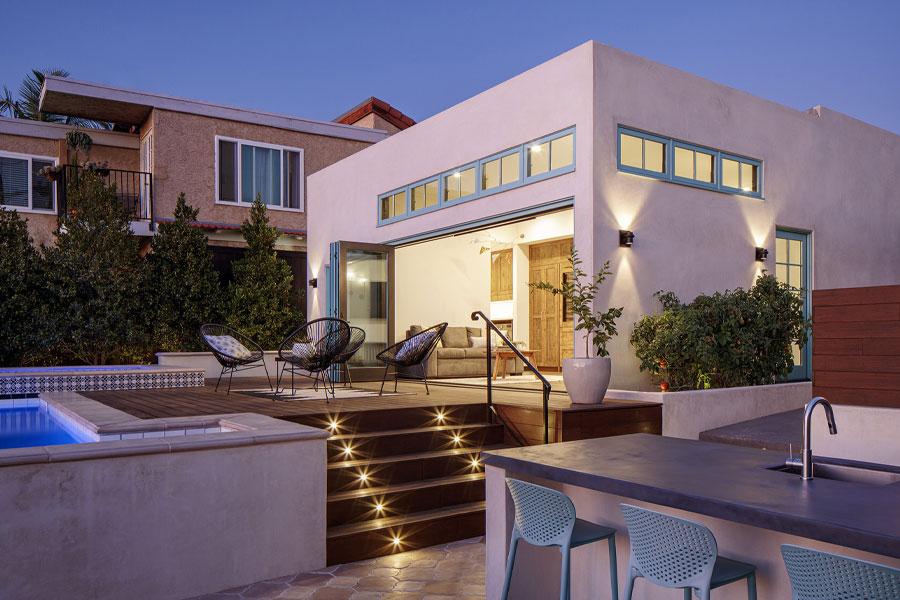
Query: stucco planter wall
x,y
866,433
687,413
206,360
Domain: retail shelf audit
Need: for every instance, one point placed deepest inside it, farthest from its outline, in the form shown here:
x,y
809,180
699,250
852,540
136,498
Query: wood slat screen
x,y
856,345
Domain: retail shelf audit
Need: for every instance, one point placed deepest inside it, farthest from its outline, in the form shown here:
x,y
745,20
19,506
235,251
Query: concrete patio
x,y
439,573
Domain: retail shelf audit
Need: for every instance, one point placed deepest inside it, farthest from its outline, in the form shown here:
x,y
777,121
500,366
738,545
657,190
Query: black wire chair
x,y
411,352
357,337
233,350
311,350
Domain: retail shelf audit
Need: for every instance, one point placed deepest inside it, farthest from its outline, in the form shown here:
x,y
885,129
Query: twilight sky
x,y
317,59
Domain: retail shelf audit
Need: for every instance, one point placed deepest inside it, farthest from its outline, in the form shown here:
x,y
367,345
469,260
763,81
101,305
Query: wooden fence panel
x,y
856,345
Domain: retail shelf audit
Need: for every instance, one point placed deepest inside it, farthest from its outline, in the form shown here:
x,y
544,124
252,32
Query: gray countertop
x,y
717,480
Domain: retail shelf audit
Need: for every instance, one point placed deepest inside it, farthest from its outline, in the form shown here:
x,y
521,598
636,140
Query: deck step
x,y
410,441
368,539
357,474
396,418
353,506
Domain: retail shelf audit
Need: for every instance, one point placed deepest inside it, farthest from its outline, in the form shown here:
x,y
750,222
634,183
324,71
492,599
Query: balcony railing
x,y
134,189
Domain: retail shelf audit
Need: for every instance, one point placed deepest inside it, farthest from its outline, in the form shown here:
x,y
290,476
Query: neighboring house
x,y
220,157
462,211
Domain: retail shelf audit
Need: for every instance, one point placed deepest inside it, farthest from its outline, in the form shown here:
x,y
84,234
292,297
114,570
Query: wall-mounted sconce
x,y
314,282
626,238
761,254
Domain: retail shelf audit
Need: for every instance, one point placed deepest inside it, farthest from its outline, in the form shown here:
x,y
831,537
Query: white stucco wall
x,y
823,172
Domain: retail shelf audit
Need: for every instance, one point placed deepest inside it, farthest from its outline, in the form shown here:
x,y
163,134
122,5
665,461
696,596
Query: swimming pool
x,y
30,422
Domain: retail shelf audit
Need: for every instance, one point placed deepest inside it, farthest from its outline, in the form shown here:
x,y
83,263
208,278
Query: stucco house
x,y
219,156
683,184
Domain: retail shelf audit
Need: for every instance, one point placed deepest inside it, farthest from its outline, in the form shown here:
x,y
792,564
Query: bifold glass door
x,y
792,267
361,284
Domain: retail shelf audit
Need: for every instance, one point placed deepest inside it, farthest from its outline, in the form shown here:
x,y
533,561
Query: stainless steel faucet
x,y
806,460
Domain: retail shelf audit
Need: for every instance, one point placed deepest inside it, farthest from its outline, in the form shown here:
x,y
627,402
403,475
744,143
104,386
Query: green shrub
x,y
183,289
20,289
94,310
734,338
259,298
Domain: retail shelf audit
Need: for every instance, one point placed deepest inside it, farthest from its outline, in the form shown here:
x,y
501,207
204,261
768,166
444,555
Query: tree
x,y
19,282
95,312
259,297
27,106
182,286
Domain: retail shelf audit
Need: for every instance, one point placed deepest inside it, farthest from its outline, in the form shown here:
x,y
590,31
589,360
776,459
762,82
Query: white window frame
x,y
239,168
29,158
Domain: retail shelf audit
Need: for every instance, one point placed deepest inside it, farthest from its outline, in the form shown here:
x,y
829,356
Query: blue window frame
x,y
542,158
669,159
792,267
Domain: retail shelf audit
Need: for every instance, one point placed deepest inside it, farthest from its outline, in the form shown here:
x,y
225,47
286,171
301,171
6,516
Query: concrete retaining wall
x,y
864,433
686,414
206,360
162,517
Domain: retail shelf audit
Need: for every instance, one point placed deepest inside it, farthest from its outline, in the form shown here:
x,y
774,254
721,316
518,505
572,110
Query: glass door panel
x,y
363,286
792,268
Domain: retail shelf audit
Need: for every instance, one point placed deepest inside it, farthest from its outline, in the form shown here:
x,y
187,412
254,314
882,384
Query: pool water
x,y
26,426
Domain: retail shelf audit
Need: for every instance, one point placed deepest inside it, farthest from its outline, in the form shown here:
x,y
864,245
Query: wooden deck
x,y
520,409
183,402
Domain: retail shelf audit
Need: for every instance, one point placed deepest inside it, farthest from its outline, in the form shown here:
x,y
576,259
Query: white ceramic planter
x,y
586,379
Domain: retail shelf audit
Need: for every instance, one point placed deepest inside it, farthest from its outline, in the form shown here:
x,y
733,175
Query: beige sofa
x,y
461,353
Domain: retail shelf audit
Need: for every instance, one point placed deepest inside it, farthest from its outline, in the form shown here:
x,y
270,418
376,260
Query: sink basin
x,y
871,474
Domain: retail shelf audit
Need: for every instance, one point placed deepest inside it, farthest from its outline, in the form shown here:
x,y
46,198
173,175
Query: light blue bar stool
x,y
677,553
817,575
546,517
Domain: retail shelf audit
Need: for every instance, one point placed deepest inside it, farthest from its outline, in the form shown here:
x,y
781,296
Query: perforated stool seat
x,y
546,517
677,553
817,575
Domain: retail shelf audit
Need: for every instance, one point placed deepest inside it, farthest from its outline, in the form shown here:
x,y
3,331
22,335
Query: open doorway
x,y
444,279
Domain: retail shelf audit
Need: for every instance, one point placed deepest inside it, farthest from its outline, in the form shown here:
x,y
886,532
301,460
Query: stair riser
x,y
417,469
354,510
408,443
369,544
401,418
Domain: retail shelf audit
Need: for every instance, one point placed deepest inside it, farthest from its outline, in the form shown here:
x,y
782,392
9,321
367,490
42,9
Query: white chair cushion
x,y
303,349
228,346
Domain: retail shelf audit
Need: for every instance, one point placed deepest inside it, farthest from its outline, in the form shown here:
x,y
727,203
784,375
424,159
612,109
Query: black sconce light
x,y
314,282
761,254
626,238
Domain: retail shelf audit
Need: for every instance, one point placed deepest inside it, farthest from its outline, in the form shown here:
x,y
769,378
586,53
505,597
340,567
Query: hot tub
x,y
35,380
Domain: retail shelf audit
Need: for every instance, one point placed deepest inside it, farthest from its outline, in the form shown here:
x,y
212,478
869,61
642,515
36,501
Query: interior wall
x,y
448,278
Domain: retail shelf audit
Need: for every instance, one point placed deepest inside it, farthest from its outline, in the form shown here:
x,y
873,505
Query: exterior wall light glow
x,y
761,254
626,238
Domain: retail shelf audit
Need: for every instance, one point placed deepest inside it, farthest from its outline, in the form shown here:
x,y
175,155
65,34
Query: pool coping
x,y
167,434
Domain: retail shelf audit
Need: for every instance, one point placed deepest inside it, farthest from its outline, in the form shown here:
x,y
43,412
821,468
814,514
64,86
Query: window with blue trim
x,y
673,160
539,159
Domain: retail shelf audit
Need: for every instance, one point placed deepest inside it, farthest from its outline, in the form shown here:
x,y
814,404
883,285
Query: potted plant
x,y
101,168
77,140
586,378
51,172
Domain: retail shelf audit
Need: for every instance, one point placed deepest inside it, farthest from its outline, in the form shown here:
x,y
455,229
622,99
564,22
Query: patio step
x,y
378,537
404,498
366,421
404,468
406,441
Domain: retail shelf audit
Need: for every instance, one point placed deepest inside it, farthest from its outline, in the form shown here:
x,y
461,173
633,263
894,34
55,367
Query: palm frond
x,y
28,104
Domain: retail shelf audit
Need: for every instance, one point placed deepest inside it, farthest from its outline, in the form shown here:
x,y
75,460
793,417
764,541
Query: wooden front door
x,y
550,330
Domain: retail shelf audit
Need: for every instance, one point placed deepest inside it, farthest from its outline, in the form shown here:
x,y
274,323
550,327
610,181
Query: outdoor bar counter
x,y
750,508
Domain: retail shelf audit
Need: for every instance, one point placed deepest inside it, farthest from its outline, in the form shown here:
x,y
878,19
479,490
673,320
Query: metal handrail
x,y
528,365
